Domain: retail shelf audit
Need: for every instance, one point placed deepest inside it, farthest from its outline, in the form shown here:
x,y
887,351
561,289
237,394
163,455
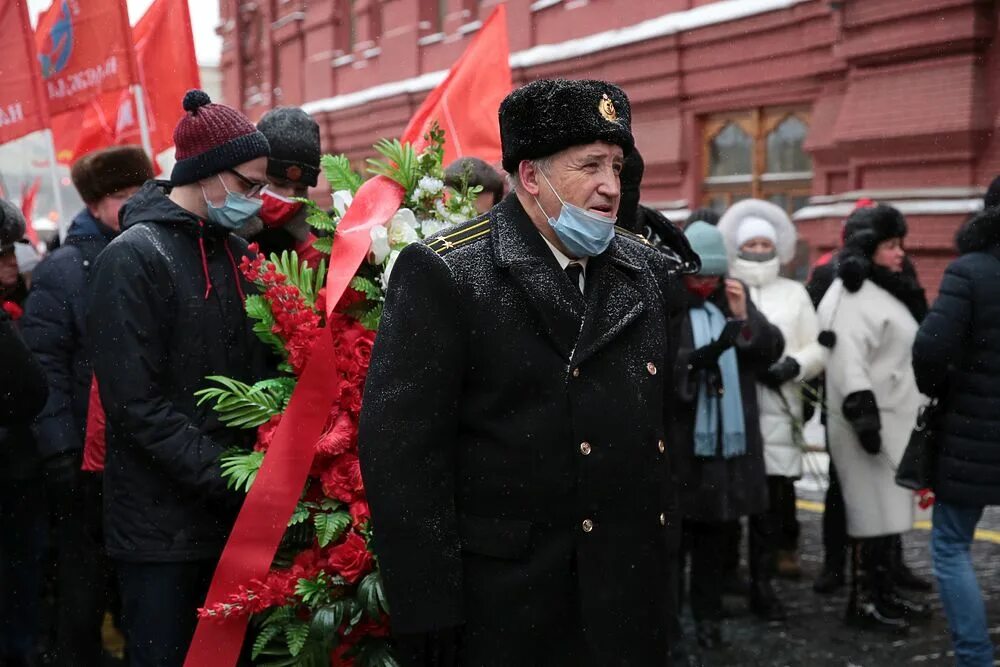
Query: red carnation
x,y
351,559
342,480
339,437
265,433
360,513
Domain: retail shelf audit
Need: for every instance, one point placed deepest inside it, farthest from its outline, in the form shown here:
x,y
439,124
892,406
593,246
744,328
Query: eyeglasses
x,y
253,187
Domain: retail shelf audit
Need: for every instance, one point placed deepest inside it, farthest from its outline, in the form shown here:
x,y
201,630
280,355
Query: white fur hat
x,y
743,221
753,227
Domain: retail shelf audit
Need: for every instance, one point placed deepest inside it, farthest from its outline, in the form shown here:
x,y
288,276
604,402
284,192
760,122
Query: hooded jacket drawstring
x,y
204,265
236,272
204,259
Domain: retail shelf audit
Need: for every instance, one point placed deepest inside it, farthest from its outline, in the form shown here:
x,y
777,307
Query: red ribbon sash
x,y
264,516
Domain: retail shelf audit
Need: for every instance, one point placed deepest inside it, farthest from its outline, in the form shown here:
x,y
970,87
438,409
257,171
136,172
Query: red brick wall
x,y
904,94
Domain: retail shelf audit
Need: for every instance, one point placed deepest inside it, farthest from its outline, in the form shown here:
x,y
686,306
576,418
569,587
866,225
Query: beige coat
x,y
875,335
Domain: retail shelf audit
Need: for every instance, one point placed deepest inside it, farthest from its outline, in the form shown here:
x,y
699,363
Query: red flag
x,y
164,49
22,102
465,104
29,194
85,49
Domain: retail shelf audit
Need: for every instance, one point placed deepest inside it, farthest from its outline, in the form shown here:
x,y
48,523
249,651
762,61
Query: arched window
x,y
785,154
731,152
757,153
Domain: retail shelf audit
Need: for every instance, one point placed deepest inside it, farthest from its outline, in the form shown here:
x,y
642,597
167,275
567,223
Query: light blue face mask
x,y
236,212
584,234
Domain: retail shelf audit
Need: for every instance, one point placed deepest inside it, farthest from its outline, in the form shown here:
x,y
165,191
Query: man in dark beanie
x,y
476,172
292,169
167,310
54,326
521,366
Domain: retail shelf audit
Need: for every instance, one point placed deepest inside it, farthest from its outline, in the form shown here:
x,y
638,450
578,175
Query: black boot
x,y
764,602
829,581
902,575
909,609
866,607
709,635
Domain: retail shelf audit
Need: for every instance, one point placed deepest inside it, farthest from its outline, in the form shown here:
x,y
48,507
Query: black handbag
x,y
916,469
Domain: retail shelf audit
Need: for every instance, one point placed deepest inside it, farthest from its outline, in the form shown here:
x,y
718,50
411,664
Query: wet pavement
x,y
815,635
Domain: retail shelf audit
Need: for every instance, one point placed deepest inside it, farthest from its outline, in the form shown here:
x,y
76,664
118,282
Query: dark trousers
x,y
21,551
835,541
159,609
82,570
705,544
782,512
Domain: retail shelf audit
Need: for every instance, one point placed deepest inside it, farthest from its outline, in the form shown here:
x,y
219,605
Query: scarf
x,y
707,322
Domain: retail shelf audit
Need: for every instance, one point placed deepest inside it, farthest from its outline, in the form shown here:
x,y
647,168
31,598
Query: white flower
x,y
417,195
431,185
432,226
380,245
393,256
402,228
342,201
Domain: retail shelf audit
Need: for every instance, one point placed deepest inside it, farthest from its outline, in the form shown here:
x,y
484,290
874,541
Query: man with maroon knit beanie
x,y
167,310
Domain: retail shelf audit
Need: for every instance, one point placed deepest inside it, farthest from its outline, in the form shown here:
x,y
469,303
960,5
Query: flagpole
x,y
140,110
56,187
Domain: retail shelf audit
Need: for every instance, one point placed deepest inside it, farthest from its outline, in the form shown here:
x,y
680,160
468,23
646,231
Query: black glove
x,y
437,648
707,357
871,441
781,372
861,410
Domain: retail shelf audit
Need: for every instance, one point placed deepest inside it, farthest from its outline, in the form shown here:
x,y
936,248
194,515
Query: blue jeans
x,y
954,527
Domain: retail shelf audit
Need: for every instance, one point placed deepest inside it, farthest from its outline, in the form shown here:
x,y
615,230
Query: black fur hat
x,y
980,233
105,172
295,145
12,226
550,115
992,197
866,227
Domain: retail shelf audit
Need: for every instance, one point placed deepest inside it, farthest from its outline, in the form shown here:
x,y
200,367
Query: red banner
x,y
465,104
22,104
164,49
84,50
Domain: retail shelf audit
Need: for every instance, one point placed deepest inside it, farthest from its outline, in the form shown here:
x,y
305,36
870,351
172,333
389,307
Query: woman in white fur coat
x,y
760,238
872,311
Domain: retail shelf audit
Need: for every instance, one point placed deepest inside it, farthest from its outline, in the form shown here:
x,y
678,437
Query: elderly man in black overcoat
x,y
512,438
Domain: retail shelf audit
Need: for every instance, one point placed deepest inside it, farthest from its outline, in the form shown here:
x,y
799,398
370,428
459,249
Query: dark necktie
x,y
575,271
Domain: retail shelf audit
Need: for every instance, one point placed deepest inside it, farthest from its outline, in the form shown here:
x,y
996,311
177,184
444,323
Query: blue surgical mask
x,y
235,213
584,234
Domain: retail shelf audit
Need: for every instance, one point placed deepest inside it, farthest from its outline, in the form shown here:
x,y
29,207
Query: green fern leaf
x,y
296,635
264,638
324,245
337,169
367,287
371,319
330,526
300,514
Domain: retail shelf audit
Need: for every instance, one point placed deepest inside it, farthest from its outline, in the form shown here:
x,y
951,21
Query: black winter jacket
x,y
718,489
22,381
160,324
18,453
54,326
956,358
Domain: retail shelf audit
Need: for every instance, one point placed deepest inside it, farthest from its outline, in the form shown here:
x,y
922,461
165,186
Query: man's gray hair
x,y
542,163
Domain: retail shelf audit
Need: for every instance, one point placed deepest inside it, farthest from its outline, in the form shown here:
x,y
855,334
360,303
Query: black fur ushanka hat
x,y
550,115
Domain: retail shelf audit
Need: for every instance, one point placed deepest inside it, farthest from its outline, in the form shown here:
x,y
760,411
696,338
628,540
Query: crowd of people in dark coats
x,y
686,339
